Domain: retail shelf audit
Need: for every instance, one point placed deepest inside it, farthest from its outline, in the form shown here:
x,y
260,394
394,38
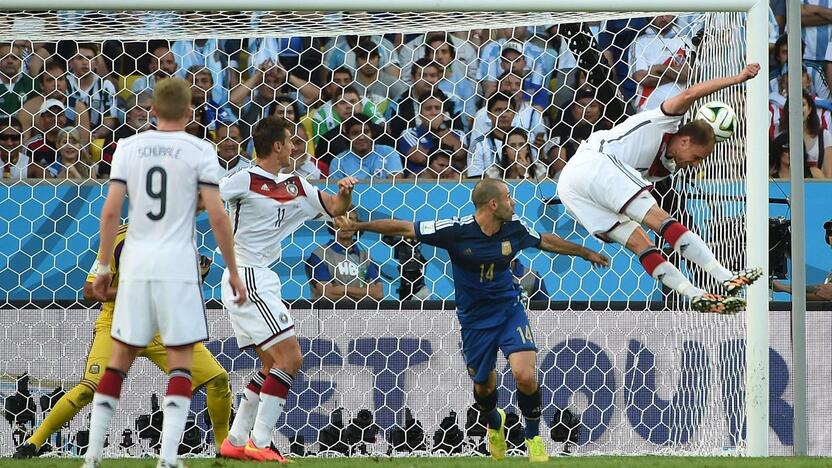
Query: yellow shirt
x,y
105,318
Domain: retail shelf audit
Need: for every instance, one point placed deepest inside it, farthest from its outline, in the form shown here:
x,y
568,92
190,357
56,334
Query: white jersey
x,y
639,142
266,208
162,172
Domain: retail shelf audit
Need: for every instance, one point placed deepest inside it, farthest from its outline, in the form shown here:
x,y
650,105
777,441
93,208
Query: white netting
x,y
640,381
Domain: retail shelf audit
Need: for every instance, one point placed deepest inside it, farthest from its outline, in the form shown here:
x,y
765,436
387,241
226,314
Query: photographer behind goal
x,y
814,292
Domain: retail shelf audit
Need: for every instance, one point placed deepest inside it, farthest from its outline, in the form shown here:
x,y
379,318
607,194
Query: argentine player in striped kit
x,y
268,206
160,288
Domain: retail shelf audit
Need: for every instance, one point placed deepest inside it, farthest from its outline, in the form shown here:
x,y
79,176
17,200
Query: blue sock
x,y
532,428
493,419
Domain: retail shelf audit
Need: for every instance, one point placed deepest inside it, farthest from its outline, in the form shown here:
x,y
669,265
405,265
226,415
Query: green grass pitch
x,y
384,462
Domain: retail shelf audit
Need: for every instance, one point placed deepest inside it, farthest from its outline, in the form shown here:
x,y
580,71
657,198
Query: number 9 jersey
x,y
162,172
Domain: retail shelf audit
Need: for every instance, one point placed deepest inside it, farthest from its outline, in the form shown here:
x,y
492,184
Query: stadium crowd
x,y
510,103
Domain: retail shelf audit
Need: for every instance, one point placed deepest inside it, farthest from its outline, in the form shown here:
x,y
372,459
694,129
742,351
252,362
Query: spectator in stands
x,y
512,50
43,145
517,159
162,65
340,52
302,163
15,84
780,161
583,117
431,133
211,112
527,116
54,86
337,110
12,155
287,108
341,269
337,80
817,141
97,93
401,113
137,118
230,149
267,81
208,54
74,160
532,286
513,61
300,56
439,167
659,63
816,22
463,48
489,148
454,81
369,81
813,80
366,159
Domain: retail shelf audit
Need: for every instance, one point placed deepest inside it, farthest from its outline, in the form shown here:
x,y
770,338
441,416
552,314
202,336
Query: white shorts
x,y
596,189
175,309
263,320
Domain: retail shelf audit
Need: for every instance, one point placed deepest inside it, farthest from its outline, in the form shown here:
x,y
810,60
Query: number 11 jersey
x,y
162,172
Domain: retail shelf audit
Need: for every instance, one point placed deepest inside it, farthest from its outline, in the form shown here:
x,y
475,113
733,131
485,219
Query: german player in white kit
x,y
160,289
605,187
267,207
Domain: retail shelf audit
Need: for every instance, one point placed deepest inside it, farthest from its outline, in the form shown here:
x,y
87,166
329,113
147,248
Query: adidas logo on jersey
x,y
264,187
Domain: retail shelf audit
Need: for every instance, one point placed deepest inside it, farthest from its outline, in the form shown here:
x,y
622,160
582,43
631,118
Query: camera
x,y
779,246
412,267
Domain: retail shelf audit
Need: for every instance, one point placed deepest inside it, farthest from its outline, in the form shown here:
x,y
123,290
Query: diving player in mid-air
x,y
492,318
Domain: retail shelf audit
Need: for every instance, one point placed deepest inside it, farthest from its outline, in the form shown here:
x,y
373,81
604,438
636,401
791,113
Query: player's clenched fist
x,y
344,222
750,71
346,185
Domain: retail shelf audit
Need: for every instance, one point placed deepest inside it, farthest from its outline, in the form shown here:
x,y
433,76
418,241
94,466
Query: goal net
x,y
624,366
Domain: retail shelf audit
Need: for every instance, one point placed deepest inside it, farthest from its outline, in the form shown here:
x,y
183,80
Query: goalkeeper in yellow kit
x,y
205,371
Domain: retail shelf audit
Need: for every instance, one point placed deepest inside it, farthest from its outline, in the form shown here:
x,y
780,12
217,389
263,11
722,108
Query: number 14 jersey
x,y
162,172
265,209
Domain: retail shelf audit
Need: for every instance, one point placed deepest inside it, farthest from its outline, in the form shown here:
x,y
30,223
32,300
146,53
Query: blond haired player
x,y
164,171
606,186
206,370
268,207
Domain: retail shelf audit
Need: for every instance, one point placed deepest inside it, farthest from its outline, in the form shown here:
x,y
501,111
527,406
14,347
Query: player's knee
x,y
623,233
525,378
80,395
219,385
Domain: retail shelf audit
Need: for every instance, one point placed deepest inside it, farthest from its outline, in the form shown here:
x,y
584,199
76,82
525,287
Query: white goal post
x,y
756,117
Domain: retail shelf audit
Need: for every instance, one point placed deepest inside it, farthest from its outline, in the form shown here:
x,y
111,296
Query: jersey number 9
x,y
158,194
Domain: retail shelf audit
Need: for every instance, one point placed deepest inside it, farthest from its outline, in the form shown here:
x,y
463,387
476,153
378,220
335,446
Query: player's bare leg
x,y
524,369
235,444
106,398
690,246
485,400
286,360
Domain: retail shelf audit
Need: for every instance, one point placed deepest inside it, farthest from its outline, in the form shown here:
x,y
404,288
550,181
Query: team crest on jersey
x,y
505,247
292,188
94,369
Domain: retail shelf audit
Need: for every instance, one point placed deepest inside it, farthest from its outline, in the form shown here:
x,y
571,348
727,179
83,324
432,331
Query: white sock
x,y
103,407
175,409
671,277
694,249
267,415
244,420
272,398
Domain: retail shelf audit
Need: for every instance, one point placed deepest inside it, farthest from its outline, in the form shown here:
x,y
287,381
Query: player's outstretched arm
x,y
225,240
681,103
387,227
553,243
110,217
337,205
